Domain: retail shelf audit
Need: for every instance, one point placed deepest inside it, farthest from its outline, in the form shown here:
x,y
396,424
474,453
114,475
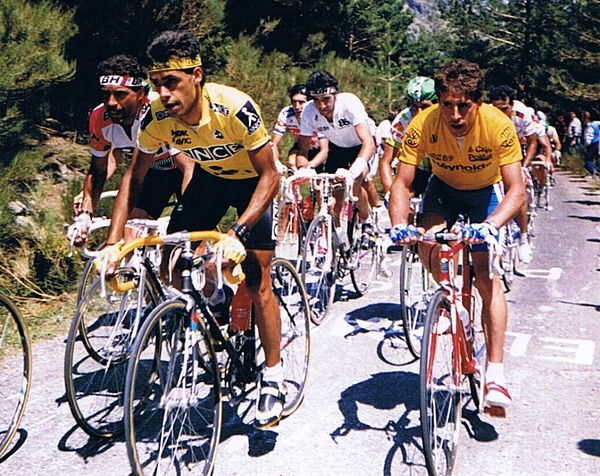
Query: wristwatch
x,y
241,231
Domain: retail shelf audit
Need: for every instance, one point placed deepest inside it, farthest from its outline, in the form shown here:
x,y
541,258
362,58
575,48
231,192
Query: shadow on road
x,y
394,411
583,304
384,319
478,429
77,441
21,437
590,447
589,203
588,217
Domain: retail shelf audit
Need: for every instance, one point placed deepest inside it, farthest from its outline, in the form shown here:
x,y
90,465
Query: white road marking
x,y
520,344
552,274
582,350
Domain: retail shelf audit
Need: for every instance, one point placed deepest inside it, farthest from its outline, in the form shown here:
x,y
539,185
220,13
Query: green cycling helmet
x,y
421,88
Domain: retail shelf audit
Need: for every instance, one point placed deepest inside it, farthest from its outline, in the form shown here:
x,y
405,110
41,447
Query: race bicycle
x,y
453,354
184,363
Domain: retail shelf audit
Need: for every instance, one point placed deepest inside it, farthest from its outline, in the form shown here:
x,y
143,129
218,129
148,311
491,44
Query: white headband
x,y
116,80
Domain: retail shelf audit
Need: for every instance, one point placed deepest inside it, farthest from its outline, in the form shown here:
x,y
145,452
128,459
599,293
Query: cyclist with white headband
x,y
222,131
420,94
288,120
113,129
342,119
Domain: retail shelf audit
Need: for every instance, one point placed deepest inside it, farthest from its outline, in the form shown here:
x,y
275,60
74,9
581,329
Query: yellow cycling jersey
x,y
491,143
230,127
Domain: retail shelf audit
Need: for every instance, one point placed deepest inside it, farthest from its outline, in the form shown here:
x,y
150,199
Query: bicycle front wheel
x,y
414,282
441,402
173,411
15,368
98,346
319,267
295,330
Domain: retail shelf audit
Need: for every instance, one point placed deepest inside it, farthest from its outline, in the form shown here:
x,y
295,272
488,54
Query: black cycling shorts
x,y
340,157
158,188
206,200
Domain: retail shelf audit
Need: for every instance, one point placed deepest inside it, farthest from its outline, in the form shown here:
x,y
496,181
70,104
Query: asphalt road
x,y
360,415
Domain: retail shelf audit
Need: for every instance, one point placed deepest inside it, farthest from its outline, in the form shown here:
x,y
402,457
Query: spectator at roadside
x,y
573,133
591,141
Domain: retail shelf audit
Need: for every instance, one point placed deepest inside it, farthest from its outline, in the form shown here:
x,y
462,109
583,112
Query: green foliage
x,y
549,50
33,250
32,38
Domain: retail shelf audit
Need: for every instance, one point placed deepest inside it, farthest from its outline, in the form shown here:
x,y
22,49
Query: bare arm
x,y
101,169
275,140
363,131
186,165
385,166
514,197
302,156
545,142
530,149
321,156
129,188
400,194
266,188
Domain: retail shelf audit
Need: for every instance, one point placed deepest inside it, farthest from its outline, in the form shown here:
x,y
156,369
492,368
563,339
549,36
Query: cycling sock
x,y
495,373
524,237
273,374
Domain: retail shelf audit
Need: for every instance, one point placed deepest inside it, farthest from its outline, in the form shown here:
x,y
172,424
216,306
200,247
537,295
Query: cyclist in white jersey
x,y
503,97
288,120
343,120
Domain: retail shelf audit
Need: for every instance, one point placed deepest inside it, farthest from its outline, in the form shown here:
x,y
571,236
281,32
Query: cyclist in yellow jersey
x,y
472,148
221,129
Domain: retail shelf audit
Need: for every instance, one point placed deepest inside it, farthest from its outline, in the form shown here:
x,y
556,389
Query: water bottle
x,y
241,309
463,315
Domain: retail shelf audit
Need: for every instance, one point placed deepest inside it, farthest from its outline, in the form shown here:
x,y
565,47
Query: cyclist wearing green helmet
x,y
420,88
420,93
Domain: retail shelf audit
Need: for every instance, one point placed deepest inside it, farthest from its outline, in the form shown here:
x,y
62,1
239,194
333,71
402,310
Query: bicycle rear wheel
x,y
173,411
295,330
441,402
414,283
96,359
319,267
15,369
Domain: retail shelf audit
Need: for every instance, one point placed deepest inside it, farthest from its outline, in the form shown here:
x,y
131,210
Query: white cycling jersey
x,y
349,112
288,122
523,120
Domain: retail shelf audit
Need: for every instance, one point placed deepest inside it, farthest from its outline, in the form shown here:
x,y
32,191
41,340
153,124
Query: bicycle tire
x,y
16,365
95,365
362,258
173,412
414,284
508,261
319,267
289,244
295,315
440,400
479,348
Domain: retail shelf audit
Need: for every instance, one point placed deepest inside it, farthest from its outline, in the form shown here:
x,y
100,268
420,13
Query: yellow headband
x,y
176,63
